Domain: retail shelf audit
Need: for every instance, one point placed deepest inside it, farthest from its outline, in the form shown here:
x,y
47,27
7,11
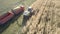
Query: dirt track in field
x,y
46,19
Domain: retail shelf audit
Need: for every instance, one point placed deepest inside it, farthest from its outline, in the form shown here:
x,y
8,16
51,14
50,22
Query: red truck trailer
x,y
10,14
5,17
18,9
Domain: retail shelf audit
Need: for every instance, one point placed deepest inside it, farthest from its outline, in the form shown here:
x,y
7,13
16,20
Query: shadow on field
x,y
25,19
6,25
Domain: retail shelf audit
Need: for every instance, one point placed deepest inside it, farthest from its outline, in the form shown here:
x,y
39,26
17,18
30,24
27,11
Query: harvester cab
x,y
28,12
30,9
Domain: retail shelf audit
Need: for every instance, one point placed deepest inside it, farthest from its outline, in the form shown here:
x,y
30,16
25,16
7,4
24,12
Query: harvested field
x,y
46,19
